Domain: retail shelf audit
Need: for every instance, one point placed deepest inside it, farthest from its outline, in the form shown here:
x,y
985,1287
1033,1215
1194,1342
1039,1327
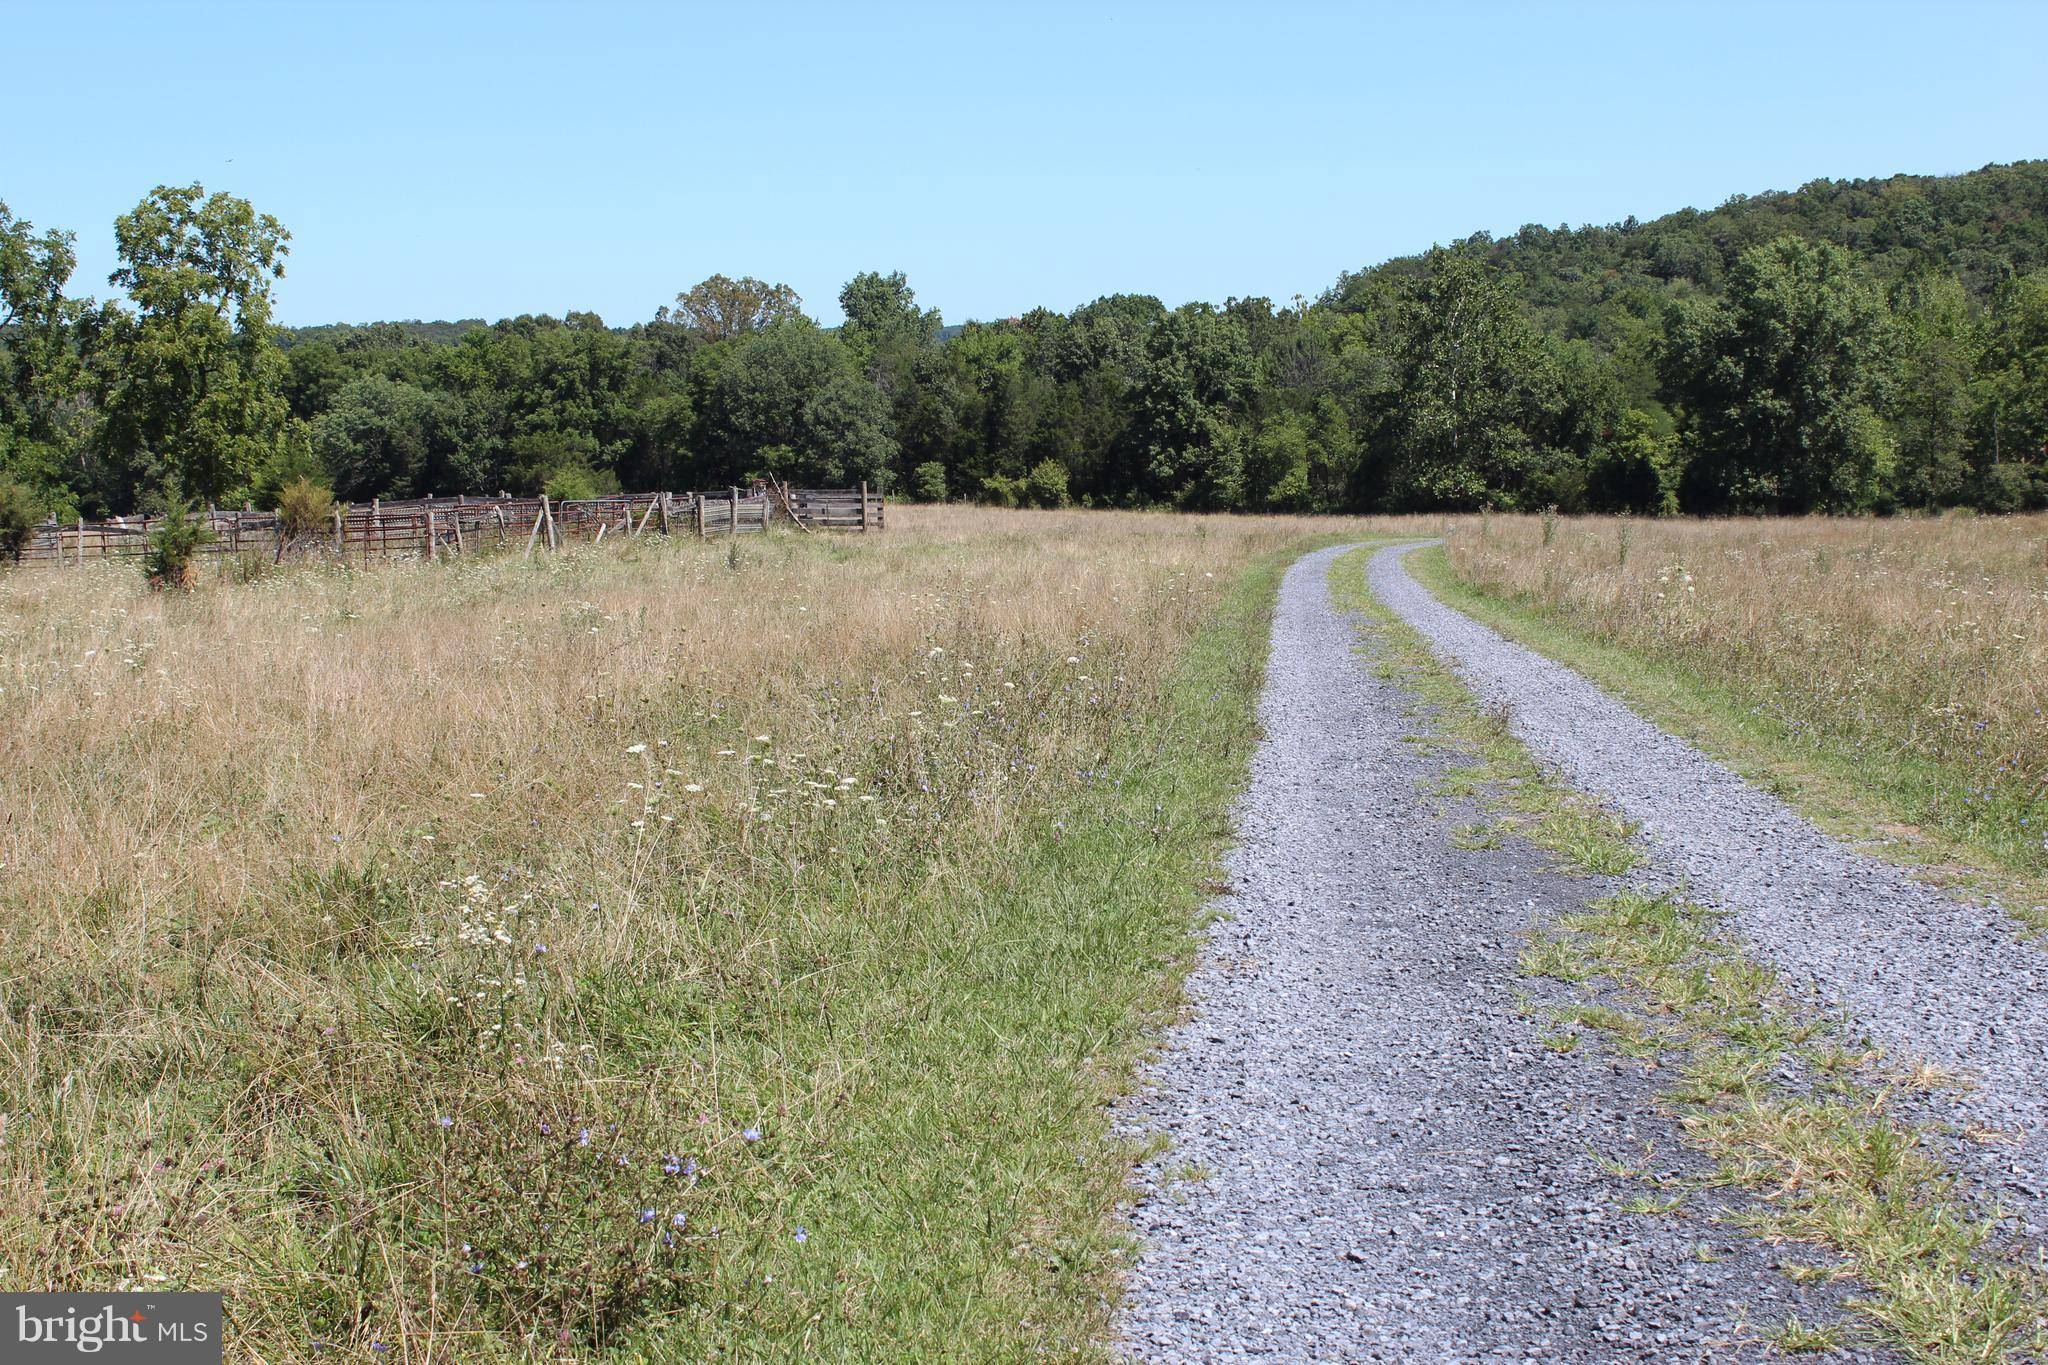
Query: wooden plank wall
x,y
838,509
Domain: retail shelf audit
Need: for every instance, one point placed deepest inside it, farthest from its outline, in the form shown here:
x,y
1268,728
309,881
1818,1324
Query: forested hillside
x,y
1862,345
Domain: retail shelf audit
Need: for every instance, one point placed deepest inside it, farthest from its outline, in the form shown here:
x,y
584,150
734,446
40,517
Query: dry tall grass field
x,y
1909,656
689,948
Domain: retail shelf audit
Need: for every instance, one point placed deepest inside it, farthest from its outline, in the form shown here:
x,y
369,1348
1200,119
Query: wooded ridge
x,y
1869,345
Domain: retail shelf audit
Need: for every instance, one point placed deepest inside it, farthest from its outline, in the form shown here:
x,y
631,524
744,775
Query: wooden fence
x,y
428,527
837,509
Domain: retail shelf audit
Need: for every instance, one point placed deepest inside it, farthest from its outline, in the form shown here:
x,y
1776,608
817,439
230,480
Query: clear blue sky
x,y
452,160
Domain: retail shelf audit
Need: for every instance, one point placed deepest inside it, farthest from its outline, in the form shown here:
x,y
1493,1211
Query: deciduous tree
x,y
882,315
1473,386
1779,385
40,375
190,382
722,308
792,389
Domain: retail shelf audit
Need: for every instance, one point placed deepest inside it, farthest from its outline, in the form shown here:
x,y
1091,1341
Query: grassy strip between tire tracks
x,y
1887,801
1788,1111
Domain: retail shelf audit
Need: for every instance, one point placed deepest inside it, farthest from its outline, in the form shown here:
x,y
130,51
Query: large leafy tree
x,y
1779,385
722,308
787,400
995,398
190,381
378,438
882,315
2010,413
40,380
1300,461
1473,389
1187,400
1932,406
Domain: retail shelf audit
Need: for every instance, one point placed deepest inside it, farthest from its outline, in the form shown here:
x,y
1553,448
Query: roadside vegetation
x,y
688,950
1889,677
1799,1120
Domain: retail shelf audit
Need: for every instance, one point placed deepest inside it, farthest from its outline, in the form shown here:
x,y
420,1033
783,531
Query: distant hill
x,y
1601,283
1604,283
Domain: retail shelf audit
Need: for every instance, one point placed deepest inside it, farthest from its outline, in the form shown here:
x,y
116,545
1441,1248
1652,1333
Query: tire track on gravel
x,y
1923,974
1395,1167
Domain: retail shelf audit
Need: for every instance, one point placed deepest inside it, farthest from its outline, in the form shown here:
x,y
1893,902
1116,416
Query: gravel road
x,y
1374,1157
1922,974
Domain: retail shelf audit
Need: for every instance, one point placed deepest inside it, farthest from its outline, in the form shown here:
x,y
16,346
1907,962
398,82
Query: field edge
x,y
1851,796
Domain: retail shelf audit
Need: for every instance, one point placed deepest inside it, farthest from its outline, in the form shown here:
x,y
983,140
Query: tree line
x,y
1860,346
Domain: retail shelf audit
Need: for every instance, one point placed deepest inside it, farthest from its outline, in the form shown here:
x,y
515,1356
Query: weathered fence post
x,y
432,535
81,543
789,508
863,504
732,527
697,505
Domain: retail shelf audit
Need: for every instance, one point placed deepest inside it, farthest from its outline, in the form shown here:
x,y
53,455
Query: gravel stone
x,y
1374,1155
1921,973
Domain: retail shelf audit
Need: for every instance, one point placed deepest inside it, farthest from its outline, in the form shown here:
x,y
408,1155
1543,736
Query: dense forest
x,y
1869,345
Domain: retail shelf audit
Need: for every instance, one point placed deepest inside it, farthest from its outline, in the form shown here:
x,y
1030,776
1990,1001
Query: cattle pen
x,y
430,527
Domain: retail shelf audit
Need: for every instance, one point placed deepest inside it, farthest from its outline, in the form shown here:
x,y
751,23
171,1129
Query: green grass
x,y
1892,803
964,1206
1825,1162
